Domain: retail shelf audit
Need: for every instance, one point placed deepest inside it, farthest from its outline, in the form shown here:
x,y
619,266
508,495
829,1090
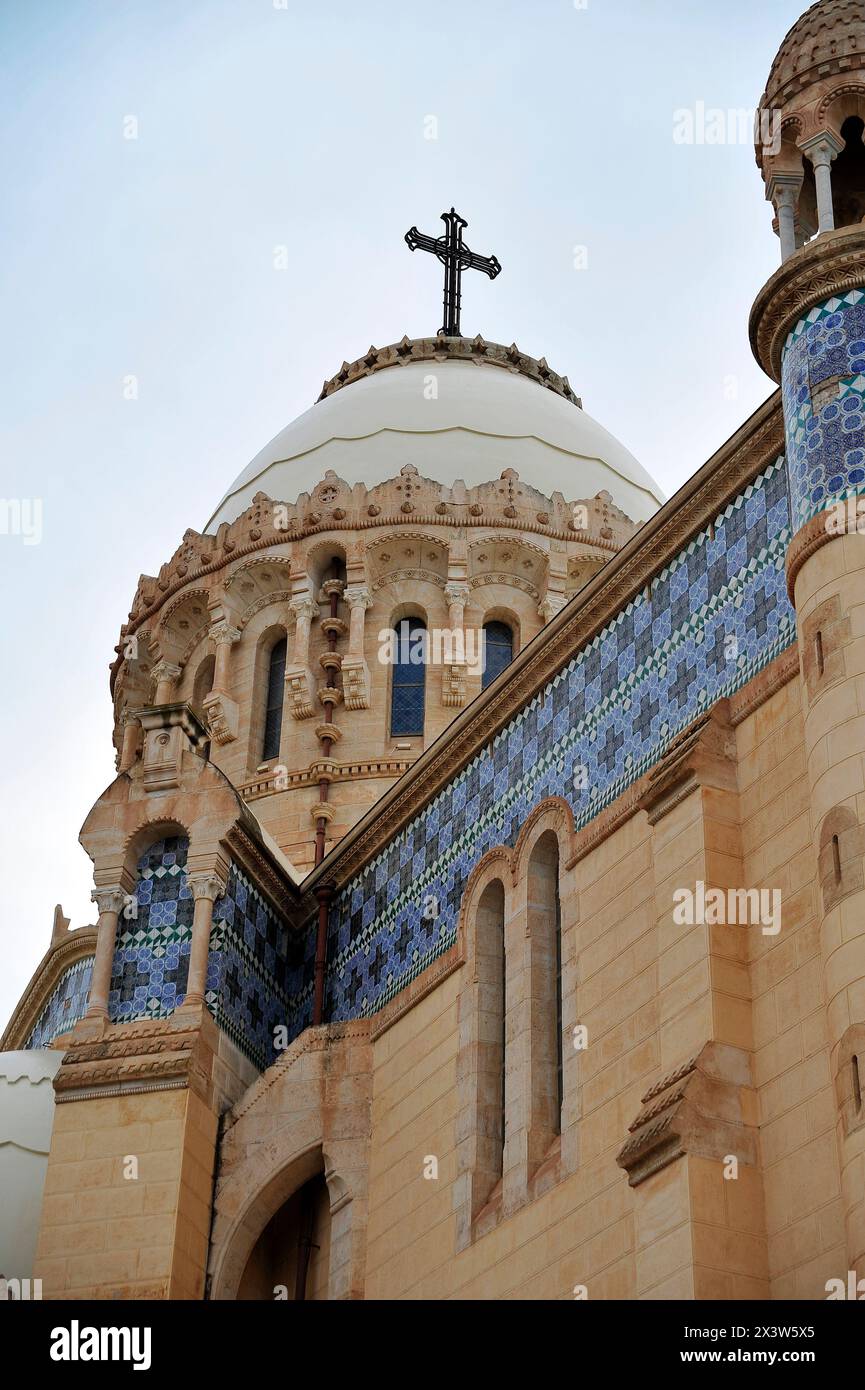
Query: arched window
x,y
275,697
408,691
483,1059
203,682
848,175
498,651
545,923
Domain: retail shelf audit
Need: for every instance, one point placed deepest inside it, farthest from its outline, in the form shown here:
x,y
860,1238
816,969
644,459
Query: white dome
x,y
26,1120
483,420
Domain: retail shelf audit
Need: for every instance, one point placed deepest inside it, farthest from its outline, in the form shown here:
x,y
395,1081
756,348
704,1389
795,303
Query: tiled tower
x,y
808,333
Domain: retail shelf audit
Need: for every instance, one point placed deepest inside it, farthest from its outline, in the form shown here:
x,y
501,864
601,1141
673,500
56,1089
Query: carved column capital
x,y
822,148
167,672
109,899
206,885
358,596
550,605
304,607
223,634
457,593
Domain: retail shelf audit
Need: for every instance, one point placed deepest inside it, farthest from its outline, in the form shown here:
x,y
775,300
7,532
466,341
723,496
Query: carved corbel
x,y
170,733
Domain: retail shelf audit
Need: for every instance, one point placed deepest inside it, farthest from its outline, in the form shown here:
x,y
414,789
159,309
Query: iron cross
x,y
455,257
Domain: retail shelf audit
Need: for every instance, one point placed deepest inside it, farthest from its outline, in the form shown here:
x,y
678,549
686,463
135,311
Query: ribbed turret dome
x,y
831,33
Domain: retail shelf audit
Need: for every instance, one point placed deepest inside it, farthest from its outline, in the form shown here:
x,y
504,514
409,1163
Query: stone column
x,y
783,191
355,671
304,609
166,675
359,599
206,888
554,596
131,737
456,669
298,677
821,150
223,636
111,902
222,711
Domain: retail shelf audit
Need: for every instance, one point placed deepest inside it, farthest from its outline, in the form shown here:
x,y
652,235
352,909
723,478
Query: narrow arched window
x,y
275,697
545,930
498,650
408,691
490,967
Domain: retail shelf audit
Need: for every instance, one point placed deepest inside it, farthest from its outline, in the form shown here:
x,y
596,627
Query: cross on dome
x,y
455,257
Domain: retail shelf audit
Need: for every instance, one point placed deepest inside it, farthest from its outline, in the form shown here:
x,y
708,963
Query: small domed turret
x,y
811,121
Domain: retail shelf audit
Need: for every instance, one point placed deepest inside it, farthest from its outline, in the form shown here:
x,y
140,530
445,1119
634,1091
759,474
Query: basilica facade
x,y
481,892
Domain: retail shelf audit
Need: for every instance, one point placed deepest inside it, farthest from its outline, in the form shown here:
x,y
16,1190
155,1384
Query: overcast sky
x,y
304,125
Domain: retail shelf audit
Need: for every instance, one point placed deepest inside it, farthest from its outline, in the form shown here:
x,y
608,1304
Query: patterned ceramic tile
x,y
826,446
154,932
66,1004
712,620
252,970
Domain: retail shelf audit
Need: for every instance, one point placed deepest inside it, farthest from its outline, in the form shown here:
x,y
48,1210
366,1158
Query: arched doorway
x,y
291,1258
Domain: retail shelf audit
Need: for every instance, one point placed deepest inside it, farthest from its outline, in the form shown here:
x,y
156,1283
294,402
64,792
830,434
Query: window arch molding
x,y
146,836
482,1058
546,1135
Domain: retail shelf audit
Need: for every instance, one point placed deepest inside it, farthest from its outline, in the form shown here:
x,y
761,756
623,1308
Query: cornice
x,y
270,878
756,444
152,1054
385,766
57,959
441,349
832,264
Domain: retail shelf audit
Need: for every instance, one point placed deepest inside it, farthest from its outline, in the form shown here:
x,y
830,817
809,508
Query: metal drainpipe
x,y
326,743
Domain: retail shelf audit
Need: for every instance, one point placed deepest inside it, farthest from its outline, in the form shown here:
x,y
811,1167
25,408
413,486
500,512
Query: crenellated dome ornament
x,y
826,40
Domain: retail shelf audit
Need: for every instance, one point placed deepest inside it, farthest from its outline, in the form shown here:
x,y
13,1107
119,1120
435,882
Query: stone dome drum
x,y
456,411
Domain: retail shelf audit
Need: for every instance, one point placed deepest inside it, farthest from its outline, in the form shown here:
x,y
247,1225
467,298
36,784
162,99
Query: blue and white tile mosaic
x,y
250,966
154,933
66,1004
713,618
252,970
825,446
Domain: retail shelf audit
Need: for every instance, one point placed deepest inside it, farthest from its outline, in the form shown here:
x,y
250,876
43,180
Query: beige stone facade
x,y
631,1066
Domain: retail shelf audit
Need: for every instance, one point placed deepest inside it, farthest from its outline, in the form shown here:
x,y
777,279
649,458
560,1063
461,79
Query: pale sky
x,y
302,124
